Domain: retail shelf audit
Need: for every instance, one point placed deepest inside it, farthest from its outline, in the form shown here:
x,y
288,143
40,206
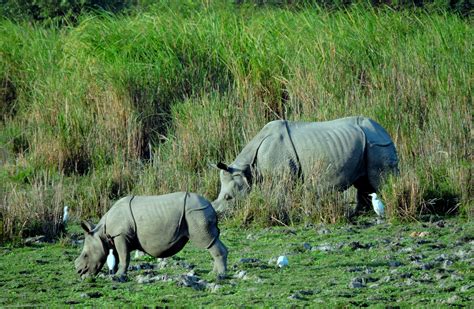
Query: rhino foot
x,y
221,277
121,278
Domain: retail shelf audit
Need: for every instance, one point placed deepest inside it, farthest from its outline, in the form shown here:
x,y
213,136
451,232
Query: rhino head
x,y
93,253
235,184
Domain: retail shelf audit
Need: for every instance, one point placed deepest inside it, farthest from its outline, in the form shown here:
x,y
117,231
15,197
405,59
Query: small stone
x,y
394,264
426,278
409,282
453,299
93,294
307,246
354,269
386,279
447,264
439,276
406,250
306,292
445,287
272,261
296,296
406,275
456,277
323,231
162,263
437,246
249,260
461,254
350,230
373,286
427,266
323,248
145,266
138,255
441,257
357,283
416,257
213,287
466,288
357,245
241,275
423,241
71,302
417,263
424,234
368,270
439,223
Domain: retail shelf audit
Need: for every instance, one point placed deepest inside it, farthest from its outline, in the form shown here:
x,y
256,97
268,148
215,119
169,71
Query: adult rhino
x,y
348,151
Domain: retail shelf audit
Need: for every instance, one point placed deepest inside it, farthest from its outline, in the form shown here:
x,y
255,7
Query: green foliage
x,y
141,104
463,7
47,10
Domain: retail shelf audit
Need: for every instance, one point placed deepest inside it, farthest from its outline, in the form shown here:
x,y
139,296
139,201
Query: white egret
x,y
65,215
282,261
111,261
377,205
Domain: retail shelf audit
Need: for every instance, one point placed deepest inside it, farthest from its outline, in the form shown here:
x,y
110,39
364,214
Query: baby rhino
x,y
158,225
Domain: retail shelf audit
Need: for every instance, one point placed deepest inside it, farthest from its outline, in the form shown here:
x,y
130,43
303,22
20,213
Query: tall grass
x,y
141,104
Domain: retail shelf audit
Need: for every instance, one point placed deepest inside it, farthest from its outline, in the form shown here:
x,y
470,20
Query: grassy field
x,y
363,264
142,103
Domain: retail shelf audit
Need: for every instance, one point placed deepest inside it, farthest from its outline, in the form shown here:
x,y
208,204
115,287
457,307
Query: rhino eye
x,y
227,197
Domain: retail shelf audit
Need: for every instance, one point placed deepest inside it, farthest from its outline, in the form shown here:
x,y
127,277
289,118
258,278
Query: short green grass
x,y
43,274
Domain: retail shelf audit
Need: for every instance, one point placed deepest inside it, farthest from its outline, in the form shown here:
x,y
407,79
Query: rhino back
x,y
332,149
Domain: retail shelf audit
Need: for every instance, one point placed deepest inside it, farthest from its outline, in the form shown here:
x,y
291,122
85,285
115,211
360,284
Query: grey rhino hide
x,y
338,154
158,225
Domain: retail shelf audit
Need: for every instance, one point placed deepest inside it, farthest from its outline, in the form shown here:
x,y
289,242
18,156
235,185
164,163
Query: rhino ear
x,y
223,166
87,227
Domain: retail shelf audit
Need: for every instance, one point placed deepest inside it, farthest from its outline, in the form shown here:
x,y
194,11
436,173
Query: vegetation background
x,y
99,99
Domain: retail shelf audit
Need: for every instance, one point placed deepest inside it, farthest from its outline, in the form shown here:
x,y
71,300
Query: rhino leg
x,y
364,188
123,256
219,253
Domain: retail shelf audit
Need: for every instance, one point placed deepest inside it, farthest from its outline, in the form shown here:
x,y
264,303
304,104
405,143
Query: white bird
x,y
65,215
282,261
378,205
111,261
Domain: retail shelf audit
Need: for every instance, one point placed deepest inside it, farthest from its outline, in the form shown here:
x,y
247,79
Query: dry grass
x,y
141,104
